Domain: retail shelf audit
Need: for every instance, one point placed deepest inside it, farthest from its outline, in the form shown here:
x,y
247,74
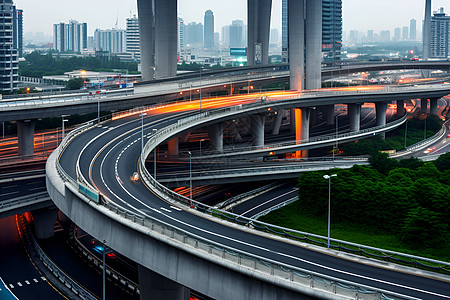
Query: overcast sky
x,y
40,15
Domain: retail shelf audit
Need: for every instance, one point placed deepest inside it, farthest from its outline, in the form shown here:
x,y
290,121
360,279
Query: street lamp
x,y
201,88
425,129
406,130
190,175
63,127
104,270
154,162
329,203
142,133
202,140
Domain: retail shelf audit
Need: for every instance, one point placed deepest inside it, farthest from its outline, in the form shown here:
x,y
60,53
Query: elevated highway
x,y
90,179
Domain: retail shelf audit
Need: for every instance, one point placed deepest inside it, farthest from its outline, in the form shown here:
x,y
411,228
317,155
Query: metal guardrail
x,y
22,201
208,247
245,195
273,208
71,284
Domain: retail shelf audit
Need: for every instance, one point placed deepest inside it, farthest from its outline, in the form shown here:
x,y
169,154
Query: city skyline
x,y
357,14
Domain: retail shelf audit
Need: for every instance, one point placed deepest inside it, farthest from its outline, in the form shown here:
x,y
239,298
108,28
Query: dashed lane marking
x,y
165,209
27,282
176,208
35,280
43,278
11,286
19,284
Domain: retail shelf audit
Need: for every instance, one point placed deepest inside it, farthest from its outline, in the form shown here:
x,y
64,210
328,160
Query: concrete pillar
x,y
354,115
166,38
313,52
427,30
424,106
259,13
147,38
277,123
154,286
44,221
401,111
296,12
257,128
380,108
434,106
25,133
173,147
302,121
328,111
215,133
235,130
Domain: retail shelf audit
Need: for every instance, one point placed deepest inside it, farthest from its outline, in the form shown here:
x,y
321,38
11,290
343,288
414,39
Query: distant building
x,y
385,35
440,30
226,36
71,37
193,35
8,53
412,30
405,33
331,30
180,37
397,34
237,34
18,31
209,30
370,36
274,36
110,40
133,44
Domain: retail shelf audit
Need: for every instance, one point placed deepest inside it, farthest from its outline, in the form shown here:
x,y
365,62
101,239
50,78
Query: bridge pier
x,y
313,50
302,122
215,133
424,106
44,221
296,12
25,133
434,106
277,123
259,13
328,111
257,128
154,286
147,38
173,146
401,111
354,115
380,108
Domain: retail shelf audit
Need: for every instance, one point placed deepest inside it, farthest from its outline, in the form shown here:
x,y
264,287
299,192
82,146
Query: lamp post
x,y
329,203
63,127
104,270
248,88
201,146
190,175
142,133
154,162
425,129
406,130
201,88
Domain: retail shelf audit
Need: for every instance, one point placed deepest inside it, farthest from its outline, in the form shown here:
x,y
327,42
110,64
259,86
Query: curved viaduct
x,y
89,179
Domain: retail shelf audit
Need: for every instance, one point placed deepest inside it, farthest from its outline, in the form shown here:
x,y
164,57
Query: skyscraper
x,y
8,54
331,29
412,30
209,30
237,34
397,34
193,35
180,37
111,40
132,38
440,28
405,33
18,31
71,37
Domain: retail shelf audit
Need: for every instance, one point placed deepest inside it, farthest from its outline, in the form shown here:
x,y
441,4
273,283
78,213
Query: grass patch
x,y
293,217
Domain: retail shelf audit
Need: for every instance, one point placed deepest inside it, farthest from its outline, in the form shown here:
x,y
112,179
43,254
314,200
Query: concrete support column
x,y
434,106
154,286
173,147
259,13
328,110
296,13
257,128
313,32
380,108
277,123
44,221
25,133
401,111
354,115
427,30
424,106
215,133
147,38
166,25
302,122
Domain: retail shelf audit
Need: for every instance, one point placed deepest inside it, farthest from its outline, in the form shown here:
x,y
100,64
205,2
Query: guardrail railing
x,y
22,201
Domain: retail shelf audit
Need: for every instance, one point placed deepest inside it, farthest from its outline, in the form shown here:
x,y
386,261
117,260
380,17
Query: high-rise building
x,y
385,35
370,36
237,34
133,44
397,34
209,30
412,30
9,66
331,29
405,33
440,30
226,36
111,40
274,36
71,37
18,31
193,35
180,37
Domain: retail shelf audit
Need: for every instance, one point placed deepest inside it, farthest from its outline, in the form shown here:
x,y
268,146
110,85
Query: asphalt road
x,y
108,158
20,188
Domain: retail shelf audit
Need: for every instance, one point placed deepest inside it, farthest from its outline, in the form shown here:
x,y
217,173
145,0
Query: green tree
x,y
382,163
75,84
443,162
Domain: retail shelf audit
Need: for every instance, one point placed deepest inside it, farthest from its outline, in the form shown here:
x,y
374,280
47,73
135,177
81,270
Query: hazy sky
x,y
40,15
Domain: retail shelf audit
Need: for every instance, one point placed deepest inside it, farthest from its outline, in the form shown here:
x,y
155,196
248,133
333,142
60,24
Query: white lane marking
x,y
176,208
290,192
19,284
27,282
165,209
7,194
11,286
43,278
35,280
